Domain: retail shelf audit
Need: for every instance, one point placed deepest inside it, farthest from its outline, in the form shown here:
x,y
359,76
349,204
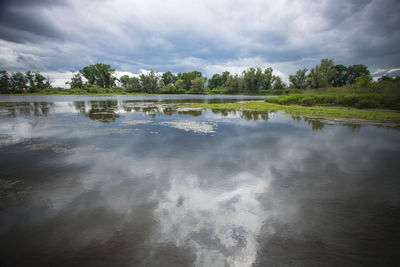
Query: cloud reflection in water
x,y
245,191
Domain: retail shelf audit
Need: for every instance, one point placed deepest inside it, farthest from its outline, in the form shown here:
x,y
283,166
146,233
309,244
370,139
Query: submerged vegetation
x,y
305,111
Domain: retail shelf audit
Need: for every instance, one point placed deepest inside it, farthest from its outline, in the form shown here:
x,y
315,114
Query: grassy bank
x,y
368,100
306,111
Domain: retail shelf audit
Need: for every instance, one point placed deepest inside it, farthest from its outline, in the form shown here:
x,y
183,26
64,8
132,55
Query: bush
x,y
77,91
367,103
169,89
365,81
273,91
181,91
349,100
162,91
217,91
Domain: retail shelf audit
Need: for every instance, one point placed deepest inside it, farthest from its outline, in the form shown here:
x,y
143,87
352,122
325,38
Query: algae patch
x,y
135,122
192,126
58,147
188,109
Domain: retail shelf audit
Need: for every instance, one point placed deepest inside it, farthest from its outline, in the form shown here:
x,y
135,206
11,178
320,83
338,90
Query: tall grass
x,y
366,100
382,94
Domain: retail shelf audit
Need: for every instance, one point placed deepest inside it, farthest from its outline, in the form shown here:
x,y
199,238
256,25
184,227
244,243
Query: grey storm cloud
x,y
23,21
209,35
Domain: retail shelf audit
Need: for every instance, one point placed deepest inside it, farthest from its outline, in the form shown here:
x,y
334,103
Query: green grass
x,y
305,111
367,100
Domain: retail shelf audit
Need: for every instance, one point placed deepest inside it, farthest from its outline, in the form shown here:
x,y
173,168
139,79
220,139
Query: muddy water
x,y
137,181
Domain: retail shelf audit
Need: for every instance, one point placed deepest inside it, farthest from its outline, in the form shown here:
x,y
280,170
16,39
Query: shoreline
x,y
333,114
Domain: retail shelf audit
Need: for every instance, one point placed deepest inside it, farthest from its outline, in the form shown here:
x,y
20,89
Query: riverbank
x,y
392,117
364,100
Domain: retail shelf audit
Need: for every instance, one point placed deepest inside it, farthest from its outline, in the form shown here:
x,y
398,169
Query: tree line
x,y
18,82
100,78
251,80
327,74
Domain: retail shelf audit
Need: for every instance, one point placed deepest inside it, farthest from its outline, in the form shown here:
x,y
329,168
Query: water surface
x,y
136,181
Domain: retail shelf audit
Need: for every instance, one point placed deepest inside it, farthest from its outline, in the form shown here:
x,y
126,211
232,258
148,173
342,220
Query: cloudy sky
x,y
56,37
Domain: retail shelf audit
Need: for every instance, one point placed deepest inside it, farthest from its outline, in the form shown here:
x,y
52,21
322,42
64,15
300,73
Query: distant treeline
x,y
18,82
100,78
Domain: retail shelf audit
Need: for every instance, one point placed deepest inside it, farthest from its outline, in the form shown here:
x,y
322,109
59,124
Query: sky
x,y
58,37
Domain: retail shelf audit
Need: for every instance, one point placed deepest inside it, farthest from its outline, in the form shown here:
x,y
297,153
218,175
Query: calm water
x,y
136,181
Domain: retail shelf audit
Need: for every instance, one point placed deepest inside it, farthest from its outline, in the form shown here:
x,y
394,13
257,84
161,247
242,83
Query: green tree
x,y
385,78
149,82
267,79
161,84
134,85
168,78
180,84
312,79
30,78
124,80
216,81
131,84
40,82
47,84
225,75
299,80
234,84
322,75
76,81
362,82
170,89
341,76
187,78
219,80
90,73
356,71
100,75
278,84
18,83
253,79
387,83
5,85
197,86
327,71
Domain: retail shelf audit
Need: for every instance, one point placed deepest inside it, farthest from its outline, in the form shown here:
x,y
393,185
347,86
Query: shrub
x,y
350,100
217,91
367,103
181,91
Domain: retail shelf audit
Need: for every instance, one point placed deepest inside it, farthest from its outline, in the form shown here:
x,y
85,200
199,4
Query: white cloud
x,y
119,74
205,35
58,79
393,70
238,66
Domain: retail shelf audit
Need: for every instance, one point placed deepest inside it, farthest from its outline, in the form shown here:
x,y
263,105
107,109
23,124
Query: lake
x,y
139,181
